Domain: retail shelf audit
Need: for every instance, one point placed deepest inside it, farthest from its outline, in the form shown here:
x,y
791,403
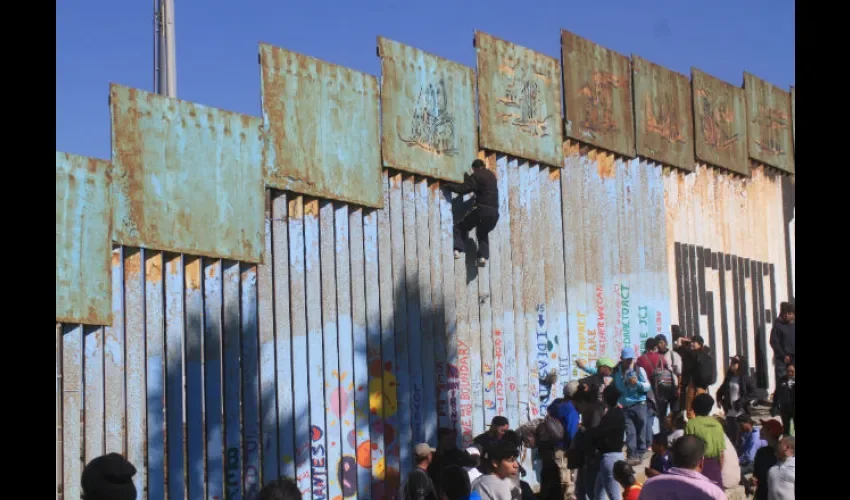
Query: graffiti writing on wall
x,y
347,476
662,118
454,396
598,96
499,351
601,336
523,102
232,479
717,122
544,347
318,464
736,307
772,123
432,127
625,311
465,393
643,325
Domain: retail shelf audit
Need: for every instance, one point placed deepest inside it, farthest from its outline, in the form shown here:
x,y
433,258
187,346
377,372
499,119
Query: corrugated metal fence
x,y
359,334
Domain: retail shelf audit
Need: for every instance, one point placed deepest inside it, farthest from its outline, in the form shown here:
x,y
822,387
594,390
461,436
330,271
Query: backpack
x,y
550,430
662,376
527,432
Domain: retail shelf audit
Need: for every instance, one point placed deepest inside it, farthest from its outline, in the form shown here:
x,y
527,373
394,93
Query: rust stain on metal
x,y
83,240
605,163
170,158
769,133
427,111
519,100
663,115
296,208
193,274
598,95
794,114
153,271
720,116
322,128
311,207
554,174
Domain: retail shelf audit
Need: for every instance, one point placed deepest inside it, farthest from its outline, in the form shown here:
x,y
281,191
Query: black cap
x,y
109,477
478,163
498,421
699,340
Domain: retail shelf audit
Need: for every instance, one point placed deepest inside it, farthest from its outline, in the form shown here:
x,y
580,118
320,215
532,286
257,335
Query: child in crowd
x,y
711,432
661,461
783,401
625,475
678,429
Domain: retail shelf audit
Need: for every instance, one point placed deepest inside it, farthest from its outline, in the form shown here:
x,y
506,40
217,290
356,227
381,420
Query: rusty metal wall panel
x,y
727,260
663,115
427,111
789,209
794,114
771,140
615,255
720,117
322,128
171,158
83,240
598,95
519,99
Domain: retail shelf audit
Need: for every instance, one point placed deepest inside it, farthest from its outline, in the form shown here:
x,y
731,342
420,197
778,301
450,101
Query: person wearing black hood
x,y
700,369
736,394
782,337
483,215
109,477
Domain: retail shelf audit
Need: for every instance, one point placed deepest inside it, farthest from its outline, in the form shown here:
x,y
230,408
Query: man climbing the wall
x,y
484,213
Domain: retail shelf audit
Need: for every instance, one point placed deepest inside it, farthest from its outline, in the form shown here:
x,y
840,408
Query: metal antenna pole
x,y
167,11
157,30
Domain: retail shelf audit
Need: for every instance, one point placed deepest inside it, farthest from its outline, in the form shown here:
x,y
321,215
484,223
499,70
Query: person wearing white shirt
x,y
780,478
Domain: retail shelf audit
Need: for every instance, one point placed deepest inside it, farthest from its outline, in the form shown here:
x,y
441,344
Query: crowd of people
x,y
593,441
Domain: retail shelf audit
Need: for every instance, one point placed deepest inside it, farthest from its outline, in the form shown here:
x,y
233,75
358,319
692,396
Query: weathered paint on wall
x,y
794,114
321,123
427,111
720,123
519,99
170,158
727,262
769,129
83,240
663,115
789,210
614,253
598,95
360,334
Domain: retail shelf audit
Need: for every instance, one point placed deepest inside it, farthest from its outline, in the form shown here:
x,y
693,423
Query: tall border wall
x,y
246,297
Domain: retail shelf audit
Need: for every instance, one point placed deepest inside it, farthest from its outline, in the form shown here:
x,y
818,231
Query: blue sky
x,y
103,41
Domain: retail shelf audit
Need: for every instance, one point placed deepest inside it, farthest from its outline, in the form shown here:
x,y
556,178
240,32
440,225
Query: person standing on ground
x,y
607,439
736,394
668,398
447,454
484,213
702,372
784,399
660,381
782,338
781,477
419,485
684,481
598,378
633,384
